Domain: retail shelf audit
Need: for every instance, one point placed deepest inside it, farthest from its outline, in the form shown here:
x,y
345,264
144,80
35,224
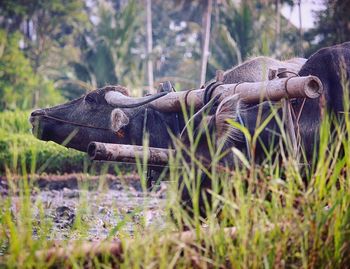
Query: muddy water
x,y
94,210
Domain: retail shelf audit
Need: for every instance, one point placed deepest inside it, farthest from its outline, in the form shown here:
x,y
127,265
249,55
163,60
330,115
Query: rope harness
x,y
75,123
292,124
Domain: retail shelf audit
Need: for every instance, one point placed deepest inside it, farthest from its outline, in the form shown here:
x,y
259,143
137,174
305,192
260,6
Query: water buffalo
x,y
92,118
257,69
331,65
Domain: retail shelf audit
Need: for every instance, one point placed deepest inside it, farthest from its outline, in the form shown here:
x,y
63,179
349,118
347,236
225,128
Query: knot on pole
x,y
286,86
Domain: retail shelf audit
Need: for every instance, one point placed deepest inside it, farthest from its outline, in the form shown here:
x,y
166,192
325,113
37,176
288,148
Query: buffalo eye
x,y
90,99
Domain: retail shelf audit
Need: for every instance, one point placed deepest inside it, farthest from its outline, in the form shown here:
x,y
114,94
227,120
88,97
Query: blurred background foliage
x,y
59,49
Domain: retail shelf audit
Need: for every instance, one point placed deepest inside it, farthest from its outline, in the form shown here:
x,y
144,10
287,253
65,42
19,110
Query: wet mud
x,y
76,205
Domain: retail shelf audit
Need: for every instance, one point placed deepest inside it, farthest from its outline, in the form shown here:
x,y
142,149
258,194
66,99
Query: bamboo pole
x,y
90,250
86,250
128,153
253,92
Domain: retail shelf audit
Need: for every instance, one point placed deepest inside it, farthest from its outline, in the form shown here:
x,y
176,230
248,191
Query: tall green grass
x,y
285,215
283,219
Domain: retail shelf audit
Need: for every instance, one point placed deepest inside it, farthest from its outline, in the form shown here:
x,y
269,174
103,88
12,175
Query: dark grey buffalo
x,y
331,65
92,118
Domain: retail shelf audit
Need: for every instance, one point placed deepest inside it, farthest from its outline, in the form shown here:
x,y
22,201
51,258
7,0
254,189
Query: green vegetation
x,y
20,87
55,49
18,148
36,39
332,25
21,151
52,51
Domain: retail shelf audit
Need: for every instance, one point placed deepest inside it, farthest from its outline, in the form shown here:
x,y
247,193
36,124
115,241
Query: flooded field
x,y
102,206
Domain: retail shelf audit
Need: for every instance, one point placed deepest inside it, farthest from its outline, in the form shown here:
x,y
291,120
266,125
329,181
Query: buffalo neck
x,y
160,127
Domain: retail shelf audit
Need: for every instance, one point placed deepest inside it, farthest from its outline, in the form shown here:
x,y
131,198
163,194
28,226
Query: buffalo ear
x,y
118,119
227,109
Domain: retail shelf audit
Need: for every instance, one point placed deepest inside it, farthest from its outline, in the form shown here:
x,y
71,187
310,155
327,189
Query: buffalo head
x,y
105,115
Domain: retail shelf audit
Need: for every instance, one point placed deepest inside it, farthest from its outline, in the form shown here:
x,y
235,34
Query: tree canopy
x,y
50,50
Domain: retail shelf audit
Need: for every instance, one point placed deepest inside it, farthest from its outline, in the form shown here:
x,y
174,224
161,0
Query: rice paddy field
x,y
58,210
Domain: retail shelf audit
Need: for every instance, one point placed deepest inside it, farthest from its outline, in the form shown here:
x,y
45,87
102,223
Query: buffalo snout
x,y
35,114
38,112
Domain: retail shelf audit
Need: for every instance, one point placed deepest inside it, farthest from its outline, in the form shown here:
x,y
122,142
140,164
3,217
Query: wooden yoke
x,y
250,92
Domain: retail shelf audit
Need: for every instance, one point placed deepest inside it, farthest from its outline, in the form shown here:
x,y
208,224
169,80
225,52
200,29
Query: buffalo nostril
x,y
38,112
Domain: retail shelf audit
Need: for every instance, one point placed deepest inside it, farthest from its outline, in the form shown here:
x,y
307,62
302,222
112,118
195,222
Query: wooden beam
x,y
128,153
253,92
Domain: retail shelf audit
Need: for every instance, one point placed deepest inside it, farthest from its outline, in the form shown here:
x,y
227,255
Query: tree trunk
x,y
300,31
206,25
278,28
149,46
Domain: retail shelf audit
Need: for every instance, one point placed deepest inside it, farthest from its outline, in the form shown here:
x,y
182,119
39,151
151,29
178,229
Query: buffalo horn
x,y
119,100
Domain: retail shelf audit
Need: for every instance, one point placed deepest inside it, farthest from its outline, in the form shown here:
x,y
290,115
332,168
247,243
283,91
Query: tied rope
x,y
285,85
186,96
75,123
241,122
236,86
208,92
